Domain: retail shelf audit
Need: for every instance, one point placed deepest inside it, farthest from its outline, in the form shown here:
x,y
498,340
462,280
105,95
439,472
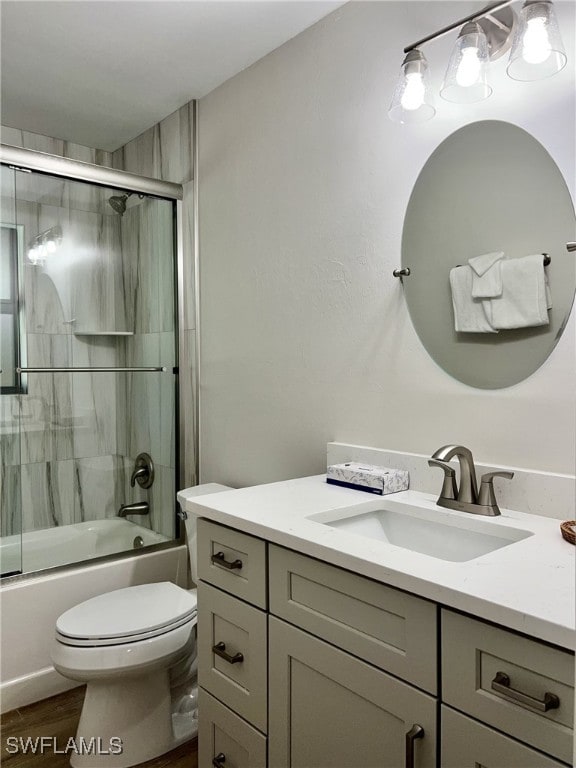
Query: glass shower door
x,y
100,375
10,399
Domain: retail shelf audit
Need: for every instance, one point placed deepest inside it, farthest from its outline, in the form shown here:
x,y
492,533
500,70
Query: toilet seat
x,y
127,615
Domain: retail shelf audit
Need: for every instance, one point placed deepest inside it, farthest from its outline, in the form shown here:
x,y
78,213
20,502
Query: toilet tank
x,y
189,493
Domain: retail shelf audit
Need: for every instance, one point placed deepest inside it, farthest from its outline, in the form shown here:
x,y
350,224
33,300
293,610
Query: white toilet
x,y
136,650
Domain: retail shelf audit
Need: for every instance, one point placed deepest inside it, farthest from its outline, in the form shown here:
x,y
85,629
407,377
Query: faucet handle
x,y
449,487
487,497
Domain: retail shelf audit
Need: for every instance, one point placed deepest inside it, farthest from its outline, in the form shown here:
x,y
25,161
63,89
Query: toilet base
x,y
127,722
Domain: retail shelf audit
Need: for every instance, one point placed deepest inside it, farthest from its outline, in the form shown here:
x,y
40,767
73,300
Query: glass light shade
x,y
537,49
412,100
466,81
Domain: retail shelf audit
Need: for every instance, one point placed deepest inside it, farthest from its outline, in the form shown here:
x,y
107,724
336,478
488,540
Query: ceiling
x,y
100,73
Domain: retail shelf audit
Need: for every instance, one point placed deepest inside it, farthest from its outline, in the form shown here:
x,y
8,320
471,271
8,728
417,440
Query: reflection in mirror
x,y
490,187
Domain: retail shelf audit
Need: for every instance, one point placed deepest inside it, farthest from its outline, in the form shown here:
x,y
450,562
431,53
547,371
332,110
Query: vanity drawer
x,y
224,735
469,744
232,653
232,561
388,628
504,680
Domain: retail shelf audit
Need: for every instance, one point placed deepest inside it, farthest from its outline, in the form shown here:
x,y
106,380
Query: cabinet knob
x,y
416,732
219,760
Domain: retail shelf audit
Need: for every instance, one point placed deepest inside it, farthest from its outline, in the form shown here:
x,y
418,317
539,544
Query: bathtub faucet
x,y
138,508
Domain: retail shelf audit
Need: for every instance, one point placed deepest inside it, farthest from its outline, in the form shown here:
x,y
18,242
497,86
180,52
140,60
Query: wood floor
x,y
58,717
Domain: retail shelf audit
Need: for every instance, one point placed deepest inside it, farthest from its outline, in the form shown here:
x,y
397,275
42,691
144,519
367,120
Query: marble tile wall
x,y
165,151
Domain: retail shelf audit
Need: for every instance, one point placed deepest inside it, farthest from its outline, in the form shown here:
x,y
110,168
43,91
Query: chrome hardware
x,y
571,247
404,272
220,559
219,760
416,732
220,650
138,508
182,514
90,370
465,497
501,684
143,473
449,487
138,542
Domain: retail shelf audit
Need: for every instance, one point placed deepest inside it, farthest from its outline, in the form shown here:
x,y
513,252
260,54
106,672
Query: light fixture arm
x,y
490,9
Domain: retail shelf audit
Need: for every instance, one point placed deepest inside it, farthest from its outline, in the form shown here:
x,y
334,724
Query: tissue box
x,y
366,477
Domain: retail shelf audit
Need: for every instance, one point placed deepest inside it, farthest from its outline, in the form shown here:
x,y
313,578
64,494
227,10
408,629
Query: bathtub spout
x,y
138,508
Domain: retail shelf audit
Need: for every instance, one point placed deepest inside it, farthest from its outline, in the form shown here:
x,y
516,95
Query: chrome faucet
x,y
465,497
138,508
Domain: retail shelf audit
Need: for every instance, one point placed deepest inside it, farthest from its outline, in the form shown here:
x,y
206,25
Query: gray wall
x,y
304,182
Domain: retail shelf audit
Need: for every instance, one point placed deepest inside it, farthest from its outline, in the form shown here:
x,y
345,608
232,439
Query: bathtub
x,y
62,545
30,604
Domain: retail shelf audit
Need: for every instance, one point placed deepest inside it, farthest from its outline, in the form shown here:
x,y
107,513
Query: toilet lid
x,y
129,612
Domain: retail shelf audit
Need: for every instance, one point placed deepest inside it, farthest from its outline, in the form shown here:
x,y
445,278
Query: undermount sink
x,y
446,536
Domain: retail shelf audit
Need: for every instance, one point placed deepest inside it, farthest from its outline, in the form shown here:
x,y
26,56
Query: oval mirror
x,y
490,186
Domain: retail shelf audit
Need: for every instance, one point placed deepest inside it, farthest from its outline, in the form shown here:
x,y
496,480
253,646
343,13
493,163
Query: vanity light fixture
x,y
412,100
466,81
537,52
537,48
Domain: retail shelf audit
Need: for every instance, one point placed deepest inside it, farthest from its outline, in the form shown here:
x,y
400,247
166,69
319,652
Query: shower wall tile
x,y
163,151
95,395
188,410
188,266
10,503
47,434
48,495
29,140
93,256
148,277
96,482
9,430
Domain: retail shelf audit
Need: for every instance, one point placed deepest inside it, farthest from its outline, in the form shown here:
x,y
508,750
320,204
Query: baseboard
x,y
31,688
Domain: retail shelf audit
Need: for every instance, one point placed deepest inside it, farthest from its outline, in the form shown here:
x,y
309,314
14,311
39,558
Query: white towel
x,y
469,313
487,277
523,303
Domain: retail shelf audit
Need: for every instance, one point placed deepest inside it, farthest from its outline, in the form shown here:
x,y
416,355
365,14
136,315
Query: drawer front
x,y
225,740
508,681
468,744
388,628
233,561
232,653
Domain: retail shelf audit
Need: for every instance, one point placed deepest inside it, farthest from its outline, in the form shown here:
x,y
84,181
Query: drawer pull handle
x,y
220,650
219,760
501,684
220,559
416,732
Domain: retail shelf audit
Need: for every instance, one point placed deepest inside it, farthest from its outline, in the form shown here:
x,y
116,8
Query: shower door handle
x,y
160,369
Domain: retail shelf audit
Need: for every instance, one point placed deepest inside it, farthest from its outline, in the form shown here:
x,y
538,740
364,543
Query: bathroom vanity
x,y
328,648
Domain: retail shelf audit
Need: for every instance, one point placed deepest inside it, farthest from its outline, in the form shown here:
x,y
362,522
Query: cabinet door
x,y
468,744
225,740
328,709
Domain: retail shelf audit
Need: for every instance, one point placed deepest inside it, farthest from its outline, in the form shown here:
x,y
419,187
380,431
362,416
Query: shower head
x,y
118,202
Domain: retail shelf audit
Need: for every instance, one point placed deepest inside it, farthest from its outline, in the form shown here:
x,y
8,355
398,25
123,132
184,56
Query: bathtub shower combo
x,y
89,308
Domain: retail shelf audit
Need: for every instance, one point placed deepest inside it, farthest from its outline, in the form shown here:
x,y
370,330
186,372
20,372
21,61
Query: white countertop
x,y
528,586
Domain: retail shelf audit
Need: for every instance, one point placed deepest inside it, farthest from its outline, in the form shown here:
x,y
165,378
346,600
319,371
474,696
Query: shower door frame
x,y
28,160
